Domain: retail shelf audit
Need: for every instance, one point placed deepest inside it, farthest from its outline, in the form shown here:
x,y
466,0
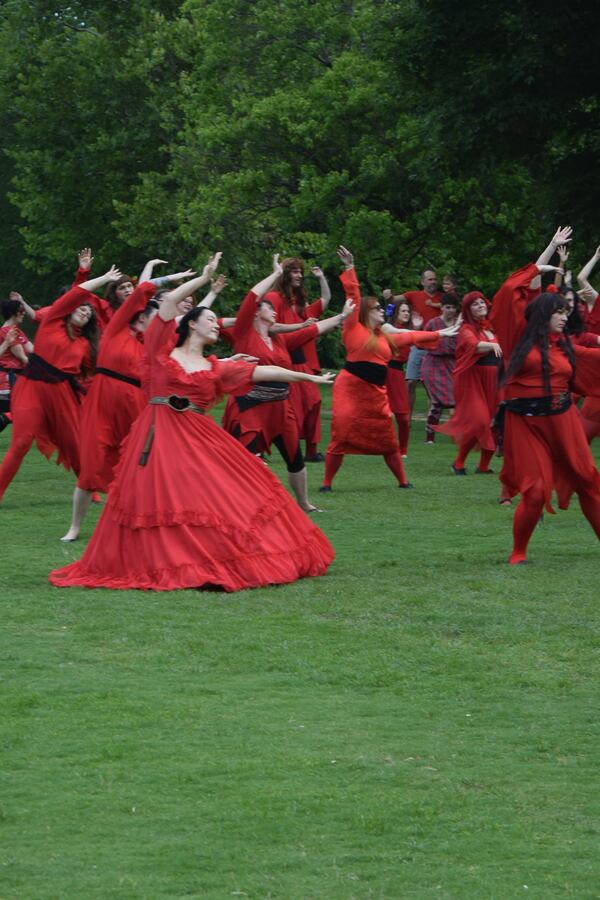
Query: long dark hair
x,y
575,324
90,332
111,291
294,295
538,314
183,329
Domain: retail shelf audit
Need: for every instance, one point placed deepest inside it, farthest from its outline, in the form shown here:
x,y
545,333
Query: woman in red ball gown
x,y
544,443
476,395
189,506
361,417
46,403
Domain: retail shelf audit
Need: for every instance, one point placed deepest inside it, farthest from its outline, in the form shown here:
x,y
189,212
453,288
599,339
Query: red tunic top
x,y
8,360
418,301
289,314
52,341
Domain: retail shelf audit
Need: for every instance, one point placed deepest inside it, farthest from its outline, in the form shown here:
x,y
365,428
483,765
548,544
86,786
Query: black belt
x,y
552,405
118,377
38,369
175,402
489,359
373,373
297,356
396,364
263,392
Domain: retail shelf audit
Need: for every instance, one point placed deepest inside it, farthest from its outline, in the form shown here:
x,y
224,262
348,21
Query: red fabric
x,y
52,341
8,360
475,394
267,420
202,511
585,339
418,301
111,406
507,315
361,416
288,314
397,391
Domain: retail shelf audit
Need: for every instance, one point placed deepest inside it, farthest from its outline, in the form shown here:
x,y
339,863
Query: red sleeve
x,y
585,339
244,319
466,348
225,333
508,307
235,376
159,333
80,275
422,339
135,303
68,303
295,339
587,372
352,291
314,310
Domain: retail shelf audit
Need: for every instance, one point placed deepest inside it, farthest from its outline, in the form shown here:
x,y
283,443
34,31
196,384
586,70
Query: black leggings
x,y
293,464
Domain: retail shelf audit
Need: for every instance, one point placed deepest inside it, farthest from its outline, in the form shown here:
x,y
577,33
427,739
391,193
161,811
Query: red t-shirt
x,y
8,360
418,301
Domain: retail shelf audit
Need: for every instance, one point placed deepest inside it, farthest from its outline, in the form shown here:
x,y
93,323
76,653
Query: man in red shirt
x,y
426,303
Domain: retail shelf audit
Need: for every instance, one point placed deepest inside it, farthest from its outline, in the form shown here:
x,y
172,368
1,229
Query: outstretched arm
x,y
277,373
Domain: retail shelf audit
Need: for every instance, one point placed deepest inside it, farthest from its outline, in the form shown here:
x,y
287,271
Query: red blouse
x,y
288,314
246,338
52,341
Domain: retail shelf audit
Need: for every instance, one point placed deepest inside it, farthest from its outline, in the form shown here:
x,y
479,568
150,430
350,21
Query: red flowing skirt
x,y
548,452
50,414
397,390
361,420
201,512
109,409
305,399
476,399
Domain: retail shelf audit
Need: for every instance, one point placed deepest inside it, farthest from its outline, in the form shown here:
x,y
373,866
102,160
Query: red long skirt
x,y
397,392
202,511
305,400
476,398
361,420
549,453
261,423
108,412
50,414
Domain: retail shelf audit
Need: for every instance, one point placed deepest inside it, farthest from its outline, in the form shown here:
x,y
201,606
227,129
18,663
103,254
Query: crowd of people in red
x,y
119,387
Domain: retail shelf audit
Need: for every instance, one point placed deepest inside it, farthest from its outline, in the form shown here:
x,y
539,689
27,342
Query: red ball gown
x,y
201,511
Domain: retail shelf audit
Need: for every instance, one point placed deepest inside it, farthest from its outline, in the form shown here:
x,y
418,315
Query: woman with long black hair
x,y
544,443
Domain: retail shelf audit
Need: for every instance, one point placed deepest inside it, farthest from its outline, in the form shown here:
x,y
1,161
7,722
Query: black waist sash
x,y
551,405
396,364
118,377
488,359
38,369
373,373
263,392
298,356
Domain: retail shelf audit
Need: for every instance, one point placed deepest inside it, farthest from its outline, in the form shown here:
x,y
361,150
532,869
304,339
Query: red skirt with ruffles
x,y
201,512
548,452
476,399
361,419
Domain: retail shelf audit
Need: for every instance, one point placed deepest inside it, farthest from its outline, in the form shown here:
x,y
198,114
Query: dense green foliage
x,y
419,723
417,133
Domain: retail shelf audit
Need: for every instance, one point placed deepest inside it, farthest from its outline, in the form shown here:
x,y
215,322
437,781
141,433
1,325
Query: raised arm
x,y
324,288
216,286
244,319
135,303
29,311
146,273
589,293
81,293
562,236
168,306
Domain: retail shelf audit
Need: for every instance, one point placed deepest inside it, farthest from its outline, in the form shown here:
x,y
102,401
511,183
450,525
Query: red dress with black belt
x,y
476,393
201,510
46,405
265,411
304,396
115,398
550,451
361,420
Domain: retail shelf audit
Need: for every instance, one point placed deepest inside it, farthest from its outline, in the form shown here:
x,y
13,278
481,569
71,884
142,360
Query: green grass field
x,y
421,722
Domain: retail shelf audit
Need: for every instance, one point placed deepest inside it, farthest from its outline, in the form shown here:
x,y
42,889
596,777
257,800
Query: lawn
x,y
421,722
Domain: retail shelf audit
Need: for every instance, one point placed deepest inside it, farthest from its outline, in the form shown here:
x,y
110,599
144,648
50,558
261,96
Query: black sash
x,y
489,359
396,364
118,377
552,405
37,369
263,392
298,356
373,373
